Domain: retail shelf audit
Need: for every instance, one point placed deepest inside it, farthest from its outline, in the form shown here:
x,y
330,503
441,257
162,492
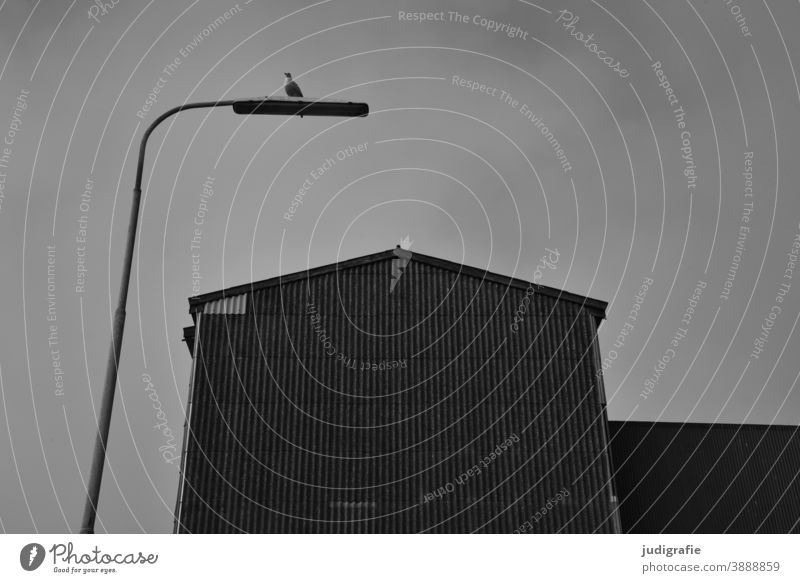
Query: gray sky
x,y
468,175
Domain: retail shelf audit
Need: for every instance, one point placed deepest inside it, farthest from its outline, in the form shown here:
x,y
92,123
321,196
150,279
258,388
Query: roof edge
x,y
705,424
595,305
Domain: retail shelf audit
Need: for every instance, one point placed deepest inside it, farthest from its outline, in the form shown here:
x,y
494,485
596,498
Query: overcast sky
x,y
467,169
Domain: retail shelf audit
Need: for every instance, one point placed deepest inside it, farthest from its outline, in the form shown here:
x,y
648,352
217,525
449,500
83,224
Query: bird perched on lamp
x,y
291,88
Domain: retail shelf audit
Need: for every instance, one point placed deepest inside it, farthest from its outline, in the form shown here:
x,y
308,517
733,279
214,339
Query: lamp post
x,y
257,106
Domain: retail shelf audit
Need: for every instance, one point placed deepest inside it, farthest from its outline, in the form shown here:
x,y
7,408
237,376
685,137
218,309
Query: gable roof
x,y
597,307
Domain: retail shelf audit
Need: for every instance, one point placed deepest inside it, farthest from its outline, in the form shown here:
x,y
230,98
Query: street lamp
x,y
300,106
256,106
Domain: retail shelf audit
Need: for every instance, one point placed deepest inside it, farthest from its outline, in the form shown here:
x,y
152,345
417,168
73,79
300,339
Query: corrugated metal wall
x,y
291,430
681,478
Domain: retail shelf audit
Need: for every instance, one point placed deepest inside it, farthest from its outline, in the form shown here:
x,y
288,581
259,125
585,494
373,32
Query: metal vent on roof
x,y
229,305
353,505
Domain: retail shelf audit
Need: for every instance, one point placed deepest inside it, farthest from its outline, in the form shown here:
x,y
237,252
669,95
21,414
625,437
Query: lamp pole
x,y
257,106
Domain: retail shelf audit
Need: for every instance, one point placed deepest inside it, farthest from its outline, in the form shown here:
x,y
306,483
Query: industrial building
x,y
706,477
395,393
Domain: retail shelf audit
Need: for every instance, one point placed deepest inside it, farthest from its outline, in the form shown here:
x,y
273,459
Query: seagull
x,y
402,255
292,89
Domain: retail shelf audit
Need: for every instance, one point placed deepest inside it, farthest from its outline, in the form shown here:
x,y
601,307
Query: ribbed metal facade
x,y
389,394
707,478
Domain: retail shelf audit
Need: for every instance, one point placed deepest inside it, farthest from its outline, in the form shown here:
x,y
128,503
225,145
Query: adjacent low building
x,y
395,393
707,478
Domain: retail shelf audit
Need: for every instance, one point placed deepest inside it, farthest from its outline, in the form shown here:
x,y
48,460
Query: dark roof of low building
x,y
598,307
706,477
